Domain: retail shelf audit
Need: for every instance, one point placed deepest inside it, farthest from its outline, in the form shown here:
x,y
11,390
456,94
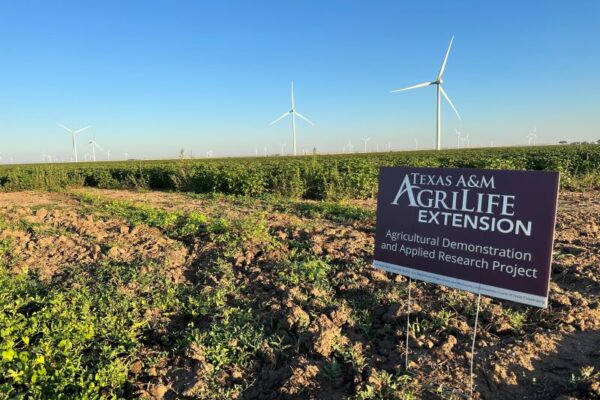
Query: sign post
x,y
488,232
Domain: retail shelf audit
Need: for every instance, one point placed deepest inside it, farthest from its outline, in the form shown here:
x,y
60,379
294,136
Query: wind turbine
x,y
282,148
532,136
350,146
293,113
457,138
365,140
440,91
416,144
466,140
74,133
94,144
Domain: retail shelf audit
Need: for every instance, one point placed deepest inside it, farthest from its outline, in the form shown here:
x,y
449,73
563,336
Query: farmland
x,y
310,177
252,278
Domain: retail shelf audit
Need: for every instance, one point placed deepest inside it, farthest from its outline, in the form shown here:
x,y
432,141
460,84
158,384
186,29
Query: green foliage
x,y
312,271
313,177
337,212
387,386
74,336
516,318
176,224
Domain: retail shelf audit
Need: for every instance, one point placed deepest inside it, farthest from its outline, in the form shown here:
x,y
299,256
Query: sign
x,y
487,231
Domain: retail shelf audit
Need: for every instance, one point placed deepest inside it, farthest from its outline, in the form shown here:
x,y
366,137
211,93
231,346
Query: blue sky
x,y
152,77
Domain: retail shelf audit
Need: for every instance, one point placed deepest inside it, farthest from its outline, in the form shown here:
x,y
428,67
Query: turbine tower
x,y
74,133
293,113
440,92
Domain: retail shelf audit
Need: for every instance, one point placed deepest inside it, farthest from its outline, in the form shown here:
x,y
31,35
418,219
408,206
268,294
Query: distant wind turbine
x,y
457,138
466,140
74,134
293,113
95,145
350,146
365,140
416,144
282,148
440,91
532,136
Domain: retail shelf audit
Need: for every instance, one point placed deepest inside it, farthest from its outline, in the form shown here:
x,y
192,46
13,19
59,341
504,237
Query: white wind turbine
x,y
293,113
350,146
457,138
95,145
74,134
466,140
365,140
532,136
440,91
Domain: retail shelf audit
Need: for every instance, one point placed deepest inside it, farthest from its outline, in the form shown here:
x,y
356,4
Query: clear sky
x,y
152,77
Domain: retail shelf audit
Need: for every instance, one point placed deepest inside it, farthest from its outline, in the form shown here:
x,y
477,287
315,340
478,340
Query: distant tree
x,y
598,141
563,142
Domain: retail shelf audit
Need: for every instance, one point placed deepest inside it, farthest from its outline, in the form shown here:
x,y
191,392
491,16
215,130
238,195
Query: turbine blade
x,y
304,118
449,102
100,147
445,59
64,127
413,87
292,94
280,118
82,129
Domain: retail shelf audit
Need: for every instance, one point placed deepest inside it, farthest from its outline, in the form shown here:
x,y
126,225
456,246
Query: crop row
x,y
311,177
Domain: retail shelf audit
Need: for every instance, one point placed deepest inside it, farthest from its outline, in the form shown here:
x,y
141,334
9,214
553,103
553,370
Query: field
x,y
251,278
310,177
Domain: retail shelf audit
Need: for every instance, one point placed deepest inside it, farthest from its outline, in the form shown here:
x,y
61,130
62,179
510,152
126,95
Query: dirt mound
x,y
47,240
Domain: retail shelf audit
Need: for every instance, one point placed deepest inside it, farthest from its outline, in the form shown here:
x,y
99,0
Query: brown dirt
x,y
358,319
53,236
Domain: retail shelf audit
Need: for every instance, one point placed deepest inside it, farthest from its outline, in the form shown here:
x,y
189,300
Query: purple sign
x,y
487,231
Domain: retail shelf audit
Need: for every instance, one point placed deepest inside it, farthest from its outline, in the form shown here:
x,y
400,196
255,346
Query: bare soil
x,y
521,352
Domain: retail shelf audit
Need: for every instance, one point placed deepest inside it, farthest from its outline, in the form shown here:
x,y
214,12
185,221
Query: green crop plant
x,y
315,177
